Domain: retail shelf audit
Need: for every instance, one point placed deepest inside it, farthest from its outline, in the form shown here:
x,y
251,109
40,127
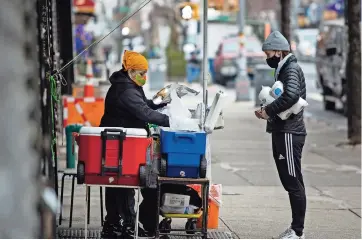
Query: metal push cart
x,y
164,228
204,182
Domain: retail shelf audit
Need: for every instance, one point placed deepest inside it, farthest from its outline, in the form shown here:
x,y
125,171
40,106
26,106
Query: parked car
x,y
303,44
228,55
226,60
331,57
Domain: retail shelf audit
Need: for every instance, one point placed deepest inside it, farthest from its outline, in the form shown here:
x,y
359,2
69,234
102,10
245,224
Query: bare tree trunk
x,y
354,71
170,16
285,18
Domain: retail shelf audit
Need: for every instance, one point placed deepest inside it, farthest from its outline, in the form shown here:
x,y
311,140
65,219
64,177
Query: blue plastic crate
x,y
183,151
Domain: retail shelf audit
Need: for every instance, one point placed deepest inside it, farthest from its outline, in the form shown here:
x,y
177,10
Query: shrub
x,y
175,61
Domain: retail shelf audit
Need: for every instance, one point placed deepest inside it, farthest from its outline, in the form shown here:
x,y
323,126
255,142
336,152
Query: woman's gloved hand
x,y
162,105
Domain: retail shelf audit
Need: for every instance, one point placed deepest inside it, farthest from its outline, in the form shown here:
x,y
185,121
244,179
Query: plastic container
x,y
212,216
179,210
183,142
183,151
175,200
135,148
214,205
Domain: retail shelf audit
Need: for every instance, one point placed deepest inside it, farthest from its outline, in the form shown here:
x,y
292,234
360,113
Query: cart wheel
x,y
203,167
163,167
165,225
190,226
142,176
80,173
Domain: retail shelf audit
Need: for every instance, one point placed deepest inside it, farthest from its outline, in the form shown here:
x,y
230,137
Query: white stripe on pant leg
x,y
287,151
289,157
292,154
290,146
290,149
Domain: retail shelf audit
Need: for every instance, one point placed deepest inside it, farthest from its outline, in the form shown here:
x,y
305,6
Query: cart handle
x,y
121,137
115,130
191,136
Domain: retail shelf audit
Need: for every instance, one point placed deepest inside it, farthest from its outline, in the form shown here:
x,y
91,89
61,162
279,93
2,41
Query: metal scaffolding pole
x,y
204,59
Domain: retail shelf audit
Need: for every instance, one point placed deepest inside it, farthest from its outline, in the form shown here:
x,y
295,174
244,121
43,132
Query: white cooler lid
x,y
135,132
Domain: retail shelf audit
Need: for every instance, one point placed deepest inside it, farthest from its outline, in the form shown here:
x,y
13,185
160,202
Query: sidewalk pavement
x,y
254,204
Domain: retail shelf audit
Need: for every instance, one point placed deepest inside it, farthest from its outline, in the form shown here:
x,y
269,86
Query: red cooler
x,y
112,156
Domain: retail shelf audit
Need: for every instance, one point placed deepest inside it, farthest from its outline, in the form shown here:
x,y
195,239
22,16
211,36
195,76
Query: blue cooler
x,y
183,154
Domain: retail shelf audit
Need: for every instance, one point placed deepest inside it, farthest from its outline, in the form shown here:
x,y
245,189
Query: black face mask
x,y
273,61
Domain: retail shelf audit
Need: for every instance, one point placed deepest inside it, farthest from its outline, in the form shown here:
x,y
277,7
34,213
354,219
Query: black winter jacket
x,y
127,106
292,77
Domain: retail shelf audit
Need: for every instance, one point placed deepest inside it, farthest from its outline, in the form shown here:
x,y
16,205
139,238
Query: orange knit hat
x,y
134,60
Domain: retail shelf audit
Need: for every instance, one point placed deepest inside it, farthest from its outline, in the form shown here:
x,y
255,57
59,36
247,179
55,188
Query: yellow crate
x,y
179,215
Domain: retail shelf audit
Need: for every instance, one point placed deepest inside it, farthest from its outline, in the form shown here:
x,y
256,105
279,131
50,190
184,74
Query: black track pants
x,y
120,203
287,153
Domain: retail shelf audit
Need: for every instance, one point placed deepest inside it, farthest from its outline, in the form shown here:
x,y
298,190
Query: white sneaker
x,y
290,234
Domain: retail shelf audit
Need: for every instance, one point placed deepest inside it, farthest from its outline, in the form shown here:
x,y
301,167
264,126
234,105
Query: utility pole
x,y
241,16
119,42
205,65
242,83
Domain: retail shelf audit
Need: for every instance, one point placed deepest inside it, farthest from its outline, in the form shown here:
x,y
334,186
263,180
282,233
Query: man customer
x,y
288,136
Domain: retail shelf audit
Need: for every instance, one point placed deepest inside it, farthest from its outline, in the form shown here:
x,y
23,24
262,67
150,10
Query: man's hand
x,y
258,113
264,115
261,114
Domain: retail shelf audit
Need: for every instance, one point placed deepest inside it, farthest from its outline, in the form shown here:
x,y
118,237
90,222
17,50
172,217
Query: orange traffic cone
x,y
88,87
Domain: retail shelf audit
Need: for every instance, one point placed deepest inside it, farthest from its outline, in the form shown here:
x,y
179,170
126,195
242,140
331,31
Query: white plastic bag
x,y
180,116
176,107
